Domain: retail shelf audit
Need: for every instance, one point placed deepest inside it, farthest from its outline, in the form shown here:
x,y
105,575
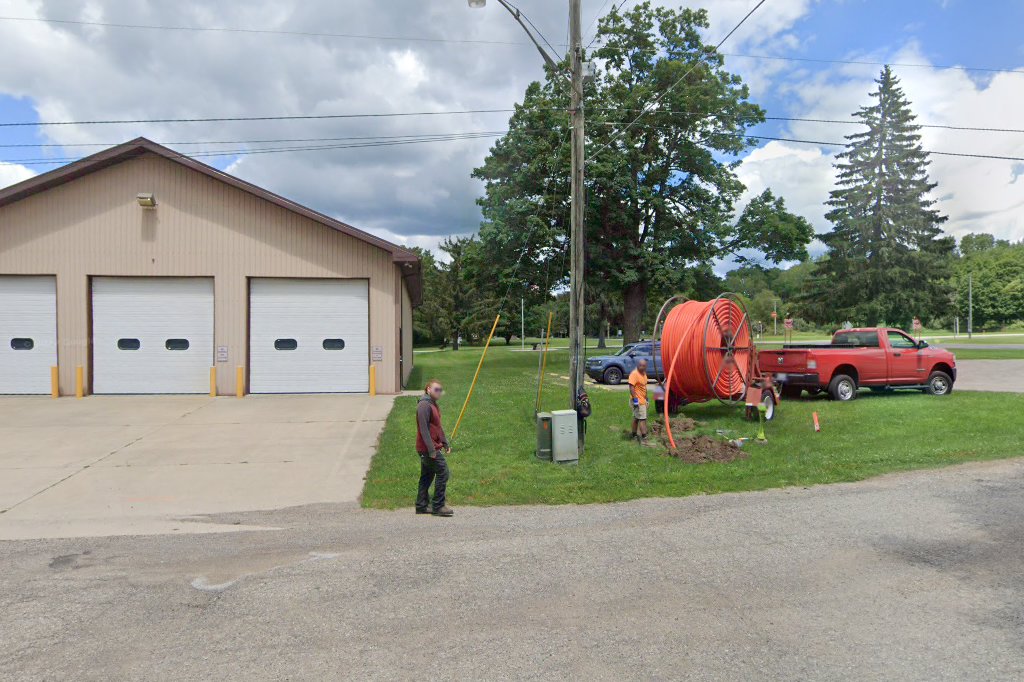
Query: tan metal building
x,y
217,273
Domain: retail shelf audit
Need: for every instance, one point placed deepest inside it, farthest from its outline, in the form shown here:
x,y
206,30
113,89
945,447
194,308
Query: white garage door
x,y
28,333
152,334
309,336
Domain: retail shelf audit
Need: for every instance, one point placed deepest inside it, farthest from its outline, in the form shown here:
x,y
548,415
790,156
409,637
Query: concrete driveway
x,y
908,577
149,464
990,375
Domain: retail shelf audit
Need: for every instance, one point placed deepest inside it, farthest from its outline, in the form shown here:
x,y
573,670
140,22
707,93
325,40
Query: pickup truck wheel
x,y
939,383
612,376
791,392
842,388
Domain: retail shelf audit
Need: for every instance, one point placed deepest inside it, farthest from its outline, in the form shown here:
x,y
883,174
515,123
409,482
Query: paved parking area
x,y
151,464
907,577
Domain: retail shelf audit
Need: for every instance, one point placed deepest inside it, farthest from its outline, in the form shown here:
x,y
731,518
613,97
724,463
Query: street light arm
x,y
518,16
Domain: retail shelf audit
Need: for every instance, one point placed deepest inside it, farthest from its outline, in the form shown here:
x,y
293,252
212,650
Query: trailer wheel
x,y
842,388
768,400
939,383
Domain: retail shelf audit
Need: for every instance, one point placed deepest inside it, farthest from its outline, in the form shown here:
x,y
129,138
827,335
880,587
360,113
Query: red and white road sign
x,y
789,323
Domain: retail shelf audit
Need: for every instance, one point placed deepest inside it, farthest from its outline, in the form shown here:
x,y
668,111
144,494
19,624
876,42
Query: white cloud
x,y
803,176
419,192
13,173
978,195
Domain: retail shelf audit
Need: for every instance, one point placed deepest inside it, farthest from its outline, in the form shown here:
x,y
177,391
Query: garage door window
x,y
286,344
334,344
129,344
23,344
176,344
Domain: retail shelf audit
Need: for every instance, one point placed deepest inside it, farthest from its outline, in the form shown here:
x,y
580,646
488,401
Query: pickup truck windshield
x,y
866,339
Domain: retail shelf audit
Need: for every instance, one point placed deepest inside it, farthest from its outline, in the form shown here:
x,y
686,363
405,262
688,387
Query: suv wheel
x,y
842,388
612,376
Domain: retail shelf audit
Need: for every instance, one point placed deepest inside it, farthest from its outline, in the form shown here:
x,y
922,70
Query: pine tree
x,y
887,259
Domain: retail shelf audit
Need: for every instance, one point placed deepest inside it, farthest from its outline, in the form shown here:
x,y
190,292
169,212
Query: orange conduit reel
x,y
708,353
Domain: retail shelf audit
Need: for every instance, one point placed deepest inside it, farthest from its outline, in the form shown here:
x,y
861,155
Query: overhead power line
x,y
273,150
260,31
28,145
861,62
215,119
465,41
816,120
261,141
456,137
843,144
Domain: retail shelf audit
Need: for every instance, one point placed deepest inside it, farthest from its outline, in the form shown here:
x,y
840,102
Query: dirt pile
x,y
692,448
704,449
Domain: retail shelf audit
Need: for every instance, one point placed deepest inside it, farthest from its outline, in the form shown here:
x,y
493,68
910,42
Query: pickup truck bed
x,y
877,358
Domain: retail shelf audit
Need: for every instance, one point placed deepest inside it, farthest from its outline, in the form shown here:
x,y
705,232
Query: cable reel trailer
x,y
708,353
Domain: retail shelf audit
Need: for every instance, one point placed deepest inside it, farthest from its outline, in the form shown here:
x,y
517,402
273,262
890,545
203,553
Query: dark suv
x,y
612,369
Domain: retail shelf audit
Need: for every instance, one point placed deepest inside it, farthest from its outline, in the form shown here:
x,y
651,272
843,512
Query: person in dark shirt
x,y
432,445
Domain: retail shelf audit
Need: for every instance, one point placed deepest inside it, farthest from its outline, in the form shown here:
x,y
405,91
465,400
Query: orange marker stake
x,y
817,426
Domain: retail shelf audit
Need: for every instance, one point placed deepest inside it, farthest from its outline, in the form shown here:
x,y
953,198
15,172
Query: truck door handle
x,y
896,355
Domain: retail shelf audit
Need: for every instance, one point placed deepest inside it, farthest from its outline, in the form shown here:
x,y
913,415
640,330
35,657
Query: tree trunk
x,y
455,339
634,300
602,326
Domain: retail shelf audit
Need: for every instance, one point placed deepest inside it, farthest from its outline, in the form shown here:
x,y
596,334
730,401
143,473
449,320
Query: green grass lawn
x,y
493,461
989,353
981,339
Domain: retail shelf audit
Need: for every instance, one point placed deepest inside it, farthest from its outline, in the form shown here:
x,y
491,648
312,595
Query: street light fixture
x,y
576,245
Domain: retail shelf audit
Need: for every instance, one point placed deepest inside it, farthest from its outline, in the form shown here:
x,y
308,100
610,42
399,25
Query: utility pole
x,y
970,305
576,300
775,317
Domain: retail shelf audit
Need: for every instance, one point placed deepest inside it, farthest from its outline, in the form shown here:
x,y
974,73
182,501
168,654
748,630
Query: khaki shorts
x,y
640,412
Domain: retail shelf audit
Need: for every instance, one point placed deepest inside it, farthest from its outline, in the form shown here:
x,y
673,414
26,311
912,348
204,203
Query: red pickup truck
x,y
876,358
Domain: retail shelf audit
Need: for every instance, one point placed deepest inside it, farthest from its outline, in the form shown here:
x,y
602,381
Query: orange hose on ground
x,y
711,352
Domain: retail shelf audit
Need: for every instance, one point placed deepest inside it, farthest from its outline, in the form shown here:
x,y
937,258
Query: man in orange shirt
x,y
638,399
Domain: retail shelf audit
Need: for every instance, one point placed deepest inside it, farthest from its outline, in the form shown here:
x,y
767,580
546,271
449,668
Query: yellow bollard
x,y
54,382
240,382
544,364
213,382
79,382
473,385
373,380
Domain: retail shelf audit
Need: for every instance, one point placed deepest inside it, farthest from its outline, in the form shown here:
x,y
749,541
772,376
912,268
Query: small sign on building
x,y
377,354
222,354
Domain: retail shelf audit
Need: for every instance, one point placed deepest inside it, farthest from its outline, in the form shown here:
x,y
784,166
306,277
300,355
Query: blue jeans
x,y
432,470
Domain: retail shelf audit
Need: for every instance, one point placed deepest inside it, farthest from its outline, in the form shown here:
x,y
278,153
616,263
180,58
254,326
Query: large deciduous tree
x,y
663,117
887,259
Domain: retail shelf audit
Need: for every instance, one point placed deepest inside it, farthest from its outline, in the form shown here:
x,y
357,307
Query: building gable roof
x,y
408,261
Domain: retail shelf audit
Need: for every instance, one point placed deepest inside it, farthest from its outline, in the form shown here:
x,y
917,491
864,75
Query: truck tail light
x,y
812,364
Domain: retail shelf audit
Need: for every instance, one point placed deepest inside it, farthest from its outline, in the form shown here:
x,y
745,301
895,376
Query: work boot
x,y
445,511
424,510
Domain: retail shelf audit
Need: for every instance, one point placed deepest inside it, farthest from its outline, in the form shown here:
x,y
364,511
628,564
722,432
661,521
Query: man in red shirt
x,y
432,445
638,399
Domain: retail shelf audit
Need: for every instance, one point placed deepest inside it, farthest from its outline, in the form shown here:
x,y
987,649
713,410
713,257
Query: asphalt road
x,y
911,577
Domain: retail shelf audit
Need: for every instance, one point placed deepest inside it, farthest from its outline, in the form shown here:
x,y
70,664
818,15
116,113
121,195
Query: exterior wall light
x,y
146,200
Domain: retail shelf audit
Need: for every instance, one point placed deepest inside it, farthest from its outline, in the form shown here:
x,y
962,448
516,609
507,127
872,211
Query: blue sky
x,y
418,195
